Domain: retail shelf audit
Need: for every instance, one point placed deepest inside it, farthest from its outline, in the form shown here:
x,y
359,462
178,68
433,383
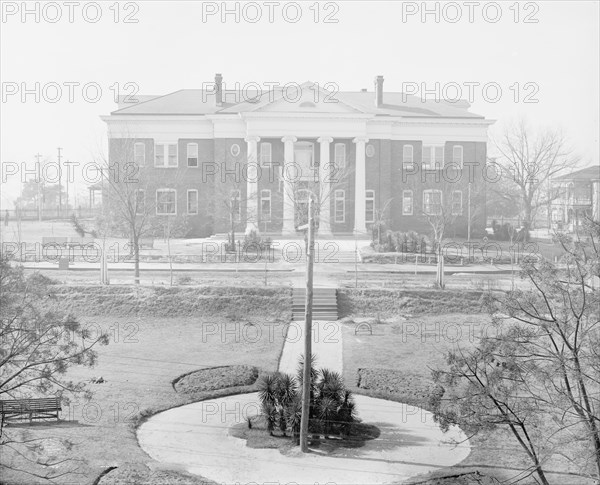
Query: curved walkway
x,y
196,437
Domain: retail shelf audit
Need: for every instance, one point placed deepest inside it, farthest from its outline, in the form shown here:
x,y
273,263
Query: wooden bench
x,y
36,408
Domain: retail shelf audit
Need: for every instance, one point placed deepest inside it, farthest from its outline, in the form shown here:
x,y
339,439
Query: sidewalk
x,y
320,268
326,346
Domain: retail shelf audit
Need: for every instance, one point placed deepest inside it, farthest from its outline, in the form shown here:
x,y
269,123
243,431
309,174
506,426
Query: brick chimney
x,y
379,91
219,89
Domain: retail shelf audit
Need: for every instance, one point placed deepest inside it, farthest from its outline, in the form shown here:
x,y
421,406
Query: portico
x,y
360,156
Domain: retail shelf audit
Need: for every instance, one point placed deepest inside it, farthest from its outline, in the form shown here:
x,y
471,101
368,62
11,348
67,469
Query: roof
x,y
199,102
588,173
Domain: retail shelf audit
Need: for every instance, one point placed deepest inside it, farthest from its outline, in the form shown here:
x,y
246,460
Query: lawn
x,y
412,346
138,367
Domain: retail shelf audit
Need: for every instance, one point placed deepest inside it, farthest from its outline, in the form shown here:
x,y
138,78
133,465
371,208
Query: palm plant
x,y
267,388
330,385
285,392
332,407
271,414
327,412
293,416
347,411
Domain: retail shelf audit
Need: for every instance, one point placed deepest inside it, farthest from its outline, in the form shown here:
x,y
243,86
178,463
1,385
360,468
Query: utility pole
x,y
39,186
307,331
59,184
67,186
469,212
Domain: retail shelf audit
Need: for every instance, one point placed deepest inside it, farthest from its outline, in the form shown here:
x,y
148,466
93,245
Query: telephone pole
x,y
59,184
469,212
307,331
67,186
39,186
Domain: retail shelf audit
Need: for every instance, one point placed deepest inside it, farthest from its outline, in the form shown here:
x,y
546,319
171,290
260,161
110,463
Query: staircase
x,y
324,304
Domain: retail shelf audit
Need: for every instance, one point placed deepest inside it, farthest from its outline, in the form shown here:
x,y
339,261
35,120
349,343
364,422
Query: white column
x,y
289,174
252,185
360,204
325,187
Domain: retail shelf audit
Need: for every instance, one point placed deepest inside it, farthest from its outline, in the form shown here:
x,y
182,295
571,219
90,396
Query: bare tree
x,y
40,342
529,160
442,205
134,206
231,201
540,373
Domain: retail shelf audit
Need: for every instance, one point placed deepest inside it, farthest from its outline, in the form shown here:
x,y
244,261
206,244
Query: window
x,y
165,155
192,201
236,206
265,154
457,203
192,154
433,157
370,206
139,154
340,206
432,202
457,155
265,205
304,155
140,201
339,156
370,151
407,157
407,203
166,201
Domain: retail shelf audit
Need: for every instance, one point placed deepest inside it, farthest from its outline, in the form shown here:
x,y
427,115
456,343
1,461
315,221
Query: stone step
x,y
324,304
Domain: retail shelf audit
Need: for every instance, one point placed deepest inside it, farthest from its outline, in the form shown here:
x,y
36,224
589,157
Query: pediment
x,y
308,98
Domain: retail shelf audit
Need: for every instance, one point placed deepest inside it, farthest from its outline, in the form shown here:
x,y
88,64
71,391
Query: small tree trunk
x,y
170,259
136,258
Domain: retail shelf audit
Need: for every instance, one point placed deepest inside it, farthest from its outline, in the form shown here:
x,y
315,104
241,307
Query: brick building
x,y
578,198
365,155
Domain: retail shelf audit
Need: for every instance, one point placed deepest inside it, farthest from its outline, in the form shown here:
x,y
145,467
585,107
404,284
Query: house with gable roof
x,y
365,156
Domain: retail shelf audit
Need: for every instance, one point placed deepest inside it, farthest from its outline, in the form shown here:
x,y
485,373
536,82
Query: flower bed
x,y
216,378
411,389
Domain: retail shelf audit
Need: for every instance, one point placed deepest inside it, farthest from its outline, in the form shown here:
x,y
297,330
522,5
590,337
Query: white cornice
x,y
308,115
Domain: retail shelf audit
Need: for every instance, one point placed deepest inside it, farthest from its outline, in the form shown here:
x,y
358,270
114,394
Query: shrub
x,y
39,279
254,241
332,407
184,280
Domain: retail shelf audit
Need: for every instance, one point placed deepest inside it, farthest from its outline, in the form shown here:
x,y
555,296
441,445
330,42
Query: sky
x,y
544,57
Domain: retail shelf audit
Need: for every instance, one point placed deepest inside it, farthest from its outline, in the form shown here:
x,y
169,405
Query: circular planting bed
x,y
216,378
404,441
